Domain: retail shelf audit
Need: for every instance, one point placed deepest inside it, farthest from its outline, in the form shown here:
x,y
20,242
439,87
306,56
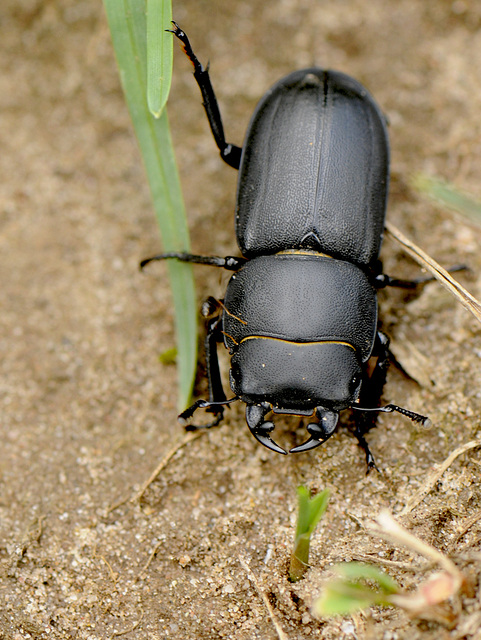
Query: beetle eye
x,y
356,379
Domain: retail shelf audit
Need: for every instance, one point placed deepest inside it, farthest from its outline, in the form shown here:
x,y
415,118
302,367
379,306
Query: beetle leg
x,y
189,412
217,397
371,464
213,337
369,401
255,414
371,392
230,153
231,263
383,280
319,432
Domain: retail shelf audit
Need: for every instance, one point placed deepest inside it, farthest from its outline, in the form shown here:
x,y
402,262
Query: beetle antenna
x,y
389,408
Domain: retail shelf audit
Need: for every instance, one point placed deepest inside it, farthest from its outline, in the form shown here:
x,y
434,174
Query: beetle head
x,y
295,378
295,375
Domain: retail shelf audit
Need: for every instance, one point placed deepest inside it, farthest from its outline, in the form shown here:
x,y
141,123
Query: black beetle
x,y
299,316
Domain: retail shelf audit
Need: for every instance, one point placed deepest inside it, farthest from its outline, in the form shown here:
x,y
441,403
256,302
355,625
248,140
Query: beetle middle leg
x,y
383,280
231,263
230,153
370,399
371,392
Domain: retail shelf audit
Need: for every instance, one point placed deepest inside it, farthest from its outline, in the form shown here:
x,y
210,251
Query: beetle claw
x,y
318,436
320,432
255,414
267,441
312,443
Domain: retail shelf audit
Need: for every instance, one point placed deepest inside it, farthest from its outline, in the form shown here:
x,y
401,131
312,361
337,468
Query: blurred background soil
x,y
87,411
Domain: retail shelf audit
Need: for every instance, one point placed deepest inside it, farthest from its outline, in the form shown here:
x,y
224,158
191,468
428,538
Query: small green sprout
x,y
311,510
169,356
352,590
361,585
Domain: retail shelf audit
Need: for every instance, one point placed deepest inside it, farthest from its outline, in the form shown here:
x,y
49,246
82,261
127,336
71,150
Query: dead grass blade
x,y
434,477
468,301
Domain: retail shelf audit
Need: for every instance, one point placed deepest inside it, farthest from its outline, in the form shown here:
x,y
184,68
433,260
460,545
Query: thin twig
x,y
188,438
405,566
265,599
133,627
147,564
468,301
434,477
468,523
117,504
113,575
387,526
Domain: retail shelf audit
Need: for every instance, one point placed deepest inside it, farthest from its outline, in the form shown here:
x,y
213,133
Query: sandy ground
x,y
87,411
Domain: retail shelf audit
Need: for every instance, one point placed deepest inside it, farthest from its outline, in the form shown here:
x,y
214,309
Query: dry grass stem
x,y
468,301
434,477
265,599
188,438
388,527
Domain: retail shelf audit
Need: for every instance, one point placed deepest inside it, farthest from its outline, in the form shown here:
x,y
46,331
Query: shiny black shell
x,y
300,327
314,170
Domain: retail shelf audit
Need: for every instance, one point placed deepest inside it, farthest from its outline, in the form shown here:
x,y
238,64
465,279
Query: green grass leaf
x,y
352,591
449,196
363,571
310,511
128,27
159,54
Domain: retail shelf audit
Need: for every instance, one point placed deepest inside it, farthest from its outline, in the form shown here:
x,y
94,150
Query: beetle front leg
x,y
217,397
216,390
230,153
372,387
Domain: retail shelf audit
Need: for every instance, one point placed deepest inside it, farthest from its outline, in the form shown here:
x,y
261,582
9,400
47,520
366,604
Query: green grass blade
x,y
350,592
341,598
449,196
159,54
310,511
127,22
363,571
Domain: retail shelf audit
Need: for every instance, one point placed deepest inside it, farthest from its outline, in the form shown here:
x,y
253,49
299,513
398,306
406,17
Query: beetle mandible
x,y
300,317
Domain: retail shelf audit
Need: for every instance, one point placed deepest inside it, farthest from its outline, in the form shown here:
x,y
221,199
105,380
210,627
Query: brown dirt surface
x,y
88,411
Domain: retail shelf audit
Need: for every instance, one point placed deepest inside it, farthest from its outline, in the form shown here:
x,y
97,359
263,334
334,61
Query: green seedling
x,y
358,586
449,196
144,56
310,511
169,356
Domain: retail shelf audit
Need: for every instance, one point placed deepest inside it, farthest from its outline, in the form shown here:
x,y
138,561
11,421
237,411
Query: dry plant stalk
x,y
468,301
438,587
437,473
